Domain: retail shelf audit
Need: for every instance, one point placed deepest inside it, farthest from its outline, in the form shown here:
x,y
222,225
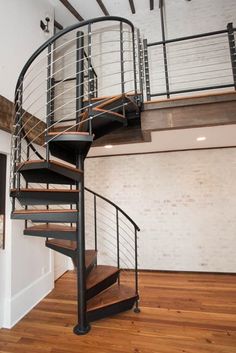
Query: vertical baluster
x,y
79,76
26,184
90,91
48,110
118,241
95,222
140,62
232,47
134,63
137,310
19,123
122,73
146,68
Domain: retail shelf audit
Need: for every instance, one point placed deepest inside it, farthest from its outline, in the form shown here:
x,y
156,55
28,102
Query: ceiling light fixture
x,y
108,146
201,138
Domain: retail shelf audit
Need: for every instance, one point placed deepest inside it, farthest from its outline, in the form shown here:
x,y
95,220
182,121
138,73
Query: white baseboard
x,y
26,299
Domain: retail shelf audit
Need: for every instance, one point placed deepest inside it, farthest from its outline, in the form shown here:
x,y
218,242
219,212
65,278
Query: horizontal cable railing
x,y
202,62
57,86
113,234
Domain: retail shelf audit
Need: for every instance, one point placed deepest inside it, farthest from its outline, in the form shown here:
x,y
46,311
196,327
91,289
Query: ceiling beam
x,y
58,25
131,2
151,4
103,8
72,10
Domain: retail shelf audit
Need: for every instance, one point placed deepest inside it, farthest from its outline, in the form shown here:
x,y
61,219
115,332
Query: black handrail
x,y
195,36
65,31
116,206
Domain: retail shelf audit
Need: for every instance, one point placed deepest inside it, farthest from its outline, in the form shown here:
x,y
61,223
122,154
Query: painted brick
x,y
184,203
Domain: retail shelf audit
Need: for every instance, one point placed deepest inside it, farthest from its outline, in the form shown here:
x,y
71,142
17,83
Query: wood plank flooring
x,y
184,313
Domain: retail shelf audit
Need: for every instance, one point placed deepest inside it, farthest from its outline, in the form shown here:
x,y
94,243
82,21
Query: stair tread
x,y
68,244
100,273
43,190
52,227
112,295
56,163
44,211
68,132
71,245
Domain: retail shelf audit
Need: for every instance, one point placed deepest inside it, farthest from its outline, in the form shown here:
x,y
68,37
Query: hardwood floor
x,y
187,313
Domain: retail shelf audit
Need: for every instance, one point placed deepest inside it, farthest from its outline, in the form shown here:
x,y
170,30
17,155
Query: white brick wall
x,y
184,203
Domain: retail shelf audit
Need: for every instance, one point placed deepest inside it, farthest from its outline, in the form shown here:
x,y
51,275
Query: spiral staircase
x,y
83,83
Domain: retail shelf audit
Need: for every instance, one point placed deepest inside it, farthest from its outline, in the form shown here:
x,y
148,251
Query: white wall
x,y
26,274
184,203
20,37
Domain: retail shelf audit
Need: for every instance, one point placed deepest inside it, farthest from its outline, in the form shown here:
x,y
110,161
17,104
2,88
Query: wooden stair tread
x,y
71,245
66,244
52,227
112,295
100,273
56,163
43,211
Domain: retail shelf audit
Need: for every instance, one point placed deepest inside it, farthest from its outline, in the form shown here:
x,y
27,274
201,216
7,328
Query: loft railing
x,y
98,57
202,62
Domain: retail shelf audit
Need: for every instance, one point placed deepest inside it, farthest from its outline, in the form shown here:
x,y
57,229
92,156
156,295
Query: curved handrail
x,y
60,34
52,40
116,206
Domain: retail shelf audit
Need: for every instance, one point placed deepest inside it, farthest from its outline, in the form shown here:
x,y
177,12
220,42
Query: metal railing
x,y
54,94
111,232
202,62
98,57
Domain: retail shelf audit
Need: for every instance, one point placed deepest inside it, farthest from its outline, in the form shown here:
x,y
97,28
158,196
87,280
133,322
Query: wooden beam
x,y
131,2
189,112
103,8
151,4
70,8
33,125
58,25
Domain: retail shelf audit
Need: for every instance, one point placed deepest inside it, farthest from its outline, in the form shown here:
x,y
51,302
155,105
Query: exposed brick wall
x,y
184,203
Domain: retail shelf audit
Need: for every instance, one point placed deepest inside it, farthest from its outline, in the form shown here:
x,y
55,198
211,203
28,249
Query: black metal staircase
x,y
48,193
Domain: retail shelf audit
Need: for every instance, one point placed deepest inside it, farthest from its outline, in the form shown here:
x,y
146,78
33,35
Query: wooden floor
x,y
187,313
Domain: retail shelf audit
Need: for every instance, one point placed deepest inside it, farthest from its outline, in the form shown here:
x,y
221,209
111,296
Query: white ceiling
x,y
216,136
90,9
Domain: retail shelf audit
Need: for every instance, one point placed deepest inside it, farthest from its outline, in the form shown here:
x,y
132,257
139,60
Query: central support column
x,y
83,326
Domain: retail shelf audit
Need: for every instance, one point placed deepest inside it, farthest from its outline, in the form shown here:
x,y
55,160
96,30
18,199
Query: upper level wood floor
x,y
184,313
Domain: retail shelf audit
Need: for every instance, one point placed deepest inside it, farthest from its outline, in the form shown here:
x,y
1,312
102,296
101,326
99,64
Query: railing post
x,y
232,48
134,64
122,59
18,142
118,241
90,68
161,6
83,326
79,76
136,310
49,96
95,222
146,68
140,63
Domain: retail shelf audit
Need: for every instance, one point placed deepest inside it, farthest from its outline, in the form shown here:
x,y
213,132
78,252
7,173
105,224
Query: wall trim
x,y
24,301
154,152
